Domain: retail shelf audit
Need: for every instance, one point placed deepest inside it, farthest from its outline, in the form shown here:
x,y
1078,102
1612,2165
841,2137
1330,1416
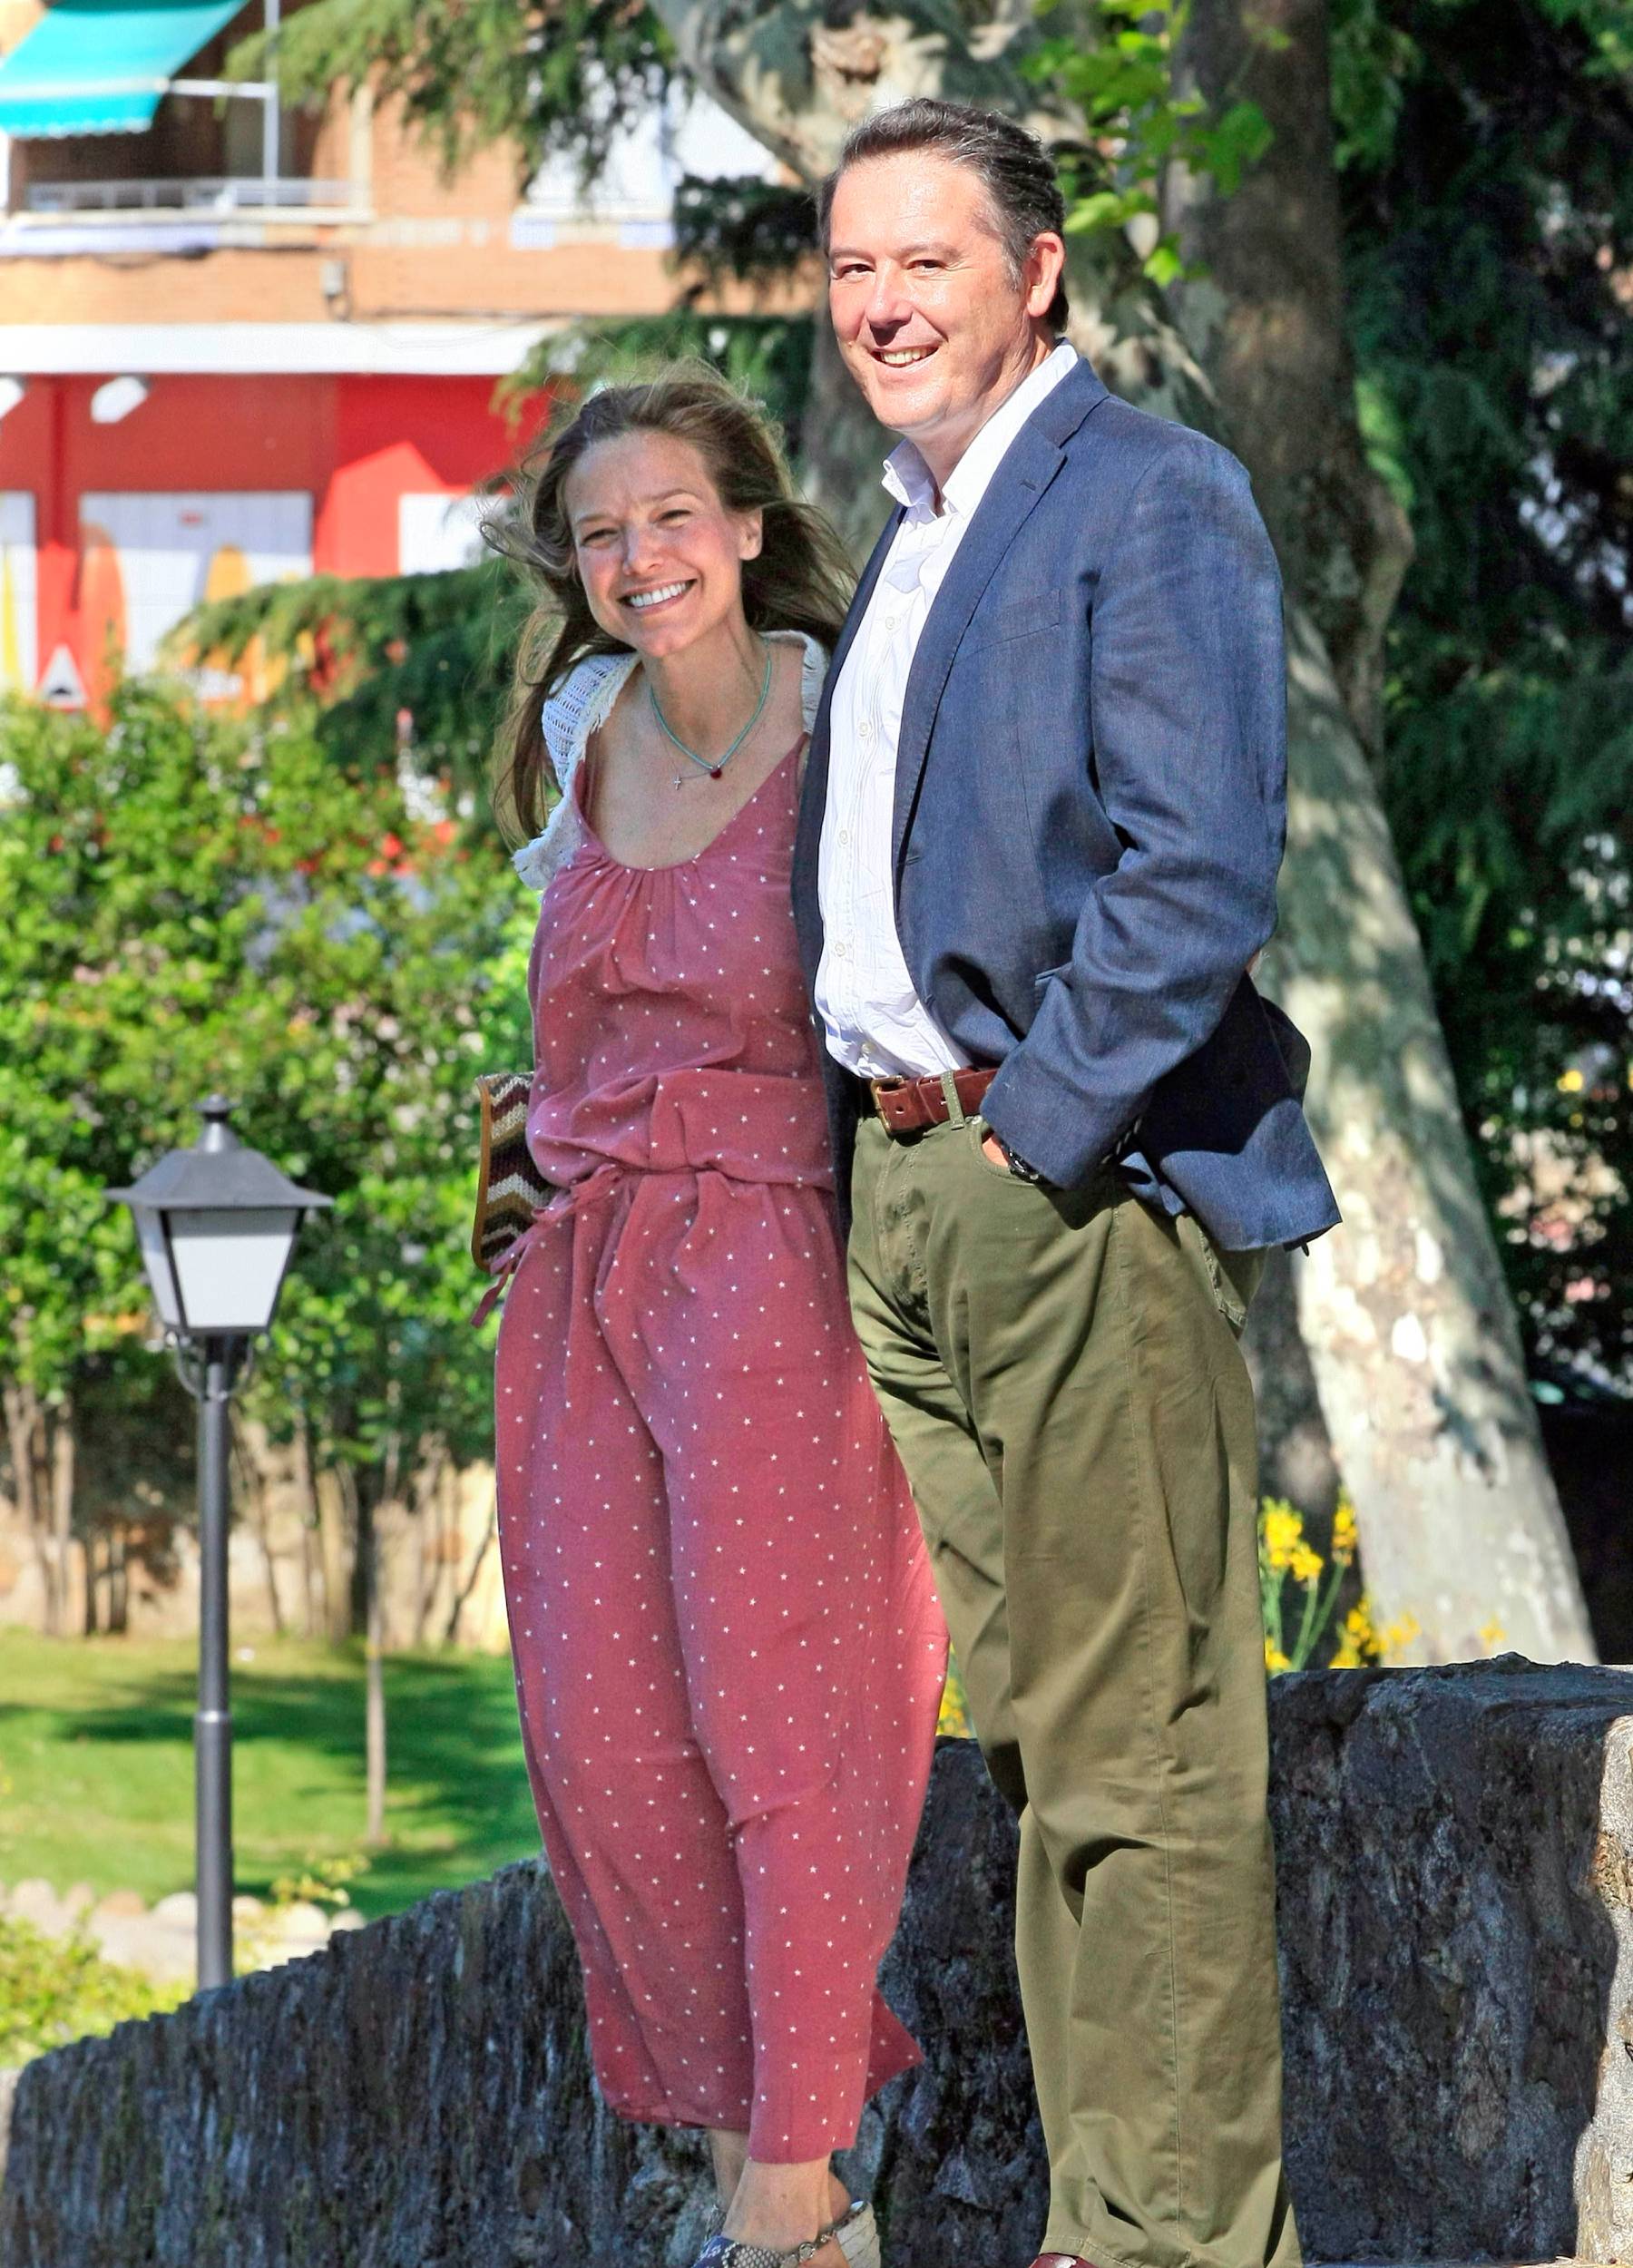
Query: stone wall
x,y
1455,1850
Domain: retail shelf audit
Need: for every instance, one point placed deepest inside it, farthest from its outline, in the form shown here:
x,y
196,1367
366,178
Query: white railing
x,y
248,193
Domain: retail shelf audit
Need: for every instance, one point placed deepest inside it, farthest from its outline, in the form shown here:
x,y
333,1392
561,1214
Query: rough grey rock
x,y
1457,1960
1455,1852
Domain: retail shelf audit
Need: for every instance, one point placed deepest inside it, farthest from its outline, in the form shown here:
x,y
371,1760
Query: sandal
x,y
855,2233
734,2252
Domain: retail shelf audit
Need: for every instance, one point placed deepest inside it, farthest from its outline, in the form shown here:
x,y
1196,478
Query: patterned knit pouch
x,y
510,1188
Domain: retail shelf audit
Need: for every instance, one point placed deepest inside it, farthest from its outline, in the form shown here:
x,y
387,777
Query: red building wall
x,y
353,445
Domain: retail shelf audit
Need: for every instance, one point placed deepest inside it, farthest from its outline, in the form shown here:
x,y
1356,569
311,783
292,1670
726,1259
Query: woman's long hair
x,y
800,580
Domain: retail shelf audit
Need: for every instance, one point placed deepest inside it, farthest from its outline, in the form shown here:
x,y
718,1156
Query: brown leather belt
x,y
911,1106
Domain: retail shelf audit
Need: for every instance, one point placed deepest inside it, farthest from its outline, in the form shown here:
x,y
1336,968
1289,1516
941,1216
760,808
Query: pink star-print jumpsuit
x,y
728,1654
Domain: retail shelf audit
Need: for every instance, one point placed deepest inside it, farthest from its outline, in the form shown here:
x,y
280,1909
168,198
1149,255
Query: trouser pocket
x,y
1232,1278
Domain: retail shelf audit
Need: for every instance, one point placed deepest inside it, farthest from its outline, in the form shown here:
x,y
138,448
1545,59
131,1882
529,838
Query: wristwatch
x,y
1018,1166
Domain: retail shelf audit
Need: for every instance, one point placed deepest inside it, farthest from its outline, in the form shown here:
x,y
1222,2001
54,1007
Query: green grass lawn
x,y
96,1766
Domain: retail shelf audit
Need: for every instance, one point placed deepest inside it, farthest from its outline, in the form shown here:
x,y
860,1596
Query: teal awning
x,y
101,66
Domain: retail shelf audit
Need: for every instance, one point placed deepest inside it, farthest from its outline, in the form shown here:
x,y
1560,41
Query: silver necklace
x,y
706,764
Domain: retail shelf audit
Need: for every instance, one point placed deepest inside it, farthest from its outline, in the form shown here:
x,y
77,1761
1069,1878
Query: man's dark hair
x,y
1017,171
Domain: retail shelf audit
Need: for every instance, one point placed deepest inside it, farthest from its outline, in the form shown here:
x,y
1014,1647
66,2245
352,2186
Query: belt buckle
x,y
886,1094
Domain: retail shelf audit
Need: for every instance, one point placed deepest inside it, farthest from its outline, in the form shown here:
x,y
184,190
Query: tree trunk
x,y
1460,1525
334,1543
61,1453
1410,1331
26,1437
311,1535
463,1596
1267,323
119,1579
250,1450
430,1504
1296,1462
368,1553
19,1438
1408,1322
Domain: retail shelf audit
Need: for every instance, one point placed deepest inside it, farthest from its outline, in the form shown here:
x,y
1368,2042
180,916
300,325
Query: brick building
x,y
239,343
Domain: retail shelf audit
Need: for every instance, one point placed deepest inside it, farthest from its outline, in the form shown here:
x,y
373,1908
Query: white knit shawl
x,y
584,702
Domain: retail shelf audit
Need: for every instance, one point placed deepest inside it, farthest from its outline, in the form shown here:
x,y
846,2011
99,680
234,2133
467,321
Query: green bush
x,y
57,1989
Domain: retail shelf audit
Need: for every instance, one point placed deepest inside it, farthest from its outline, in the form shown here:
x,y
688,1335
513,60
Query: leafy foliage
x,y
741,229
470,73
565,75
417,663
53,1990
1136,124
194,904
1489,222
767,356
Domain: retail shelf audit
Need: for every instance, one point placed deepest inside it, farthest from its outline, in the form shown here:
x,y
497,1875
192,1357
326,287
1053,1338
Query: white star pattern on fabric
x,y
729,1655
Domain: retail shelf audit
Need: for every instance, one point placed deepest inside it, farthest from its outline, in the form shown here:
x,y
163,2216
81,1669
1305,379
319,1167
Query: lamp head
x,y
216,1224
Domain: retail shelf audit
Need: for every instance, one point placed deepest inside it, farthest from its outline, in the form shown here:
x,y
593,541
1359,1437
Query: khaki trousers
x,y
1061,1374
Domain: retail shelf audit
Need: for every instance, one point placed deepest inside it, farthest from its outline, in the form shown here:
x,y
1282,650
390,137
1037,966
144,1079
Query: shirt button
x,y
839,949
866,728
890,621
844,837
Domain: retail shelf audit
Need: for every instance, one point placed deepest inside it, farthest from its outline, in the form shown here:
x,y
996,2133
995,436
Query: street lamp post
x,y
215,1225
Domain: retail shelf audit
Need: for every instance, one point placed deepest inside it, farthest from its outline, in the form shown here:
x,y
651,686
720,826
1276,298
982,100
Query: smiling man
x,y
1037,849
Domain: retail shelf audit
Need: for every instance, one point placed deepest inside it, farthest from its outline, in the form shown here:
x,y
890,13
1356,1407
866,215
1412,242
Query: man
x,y
1042,819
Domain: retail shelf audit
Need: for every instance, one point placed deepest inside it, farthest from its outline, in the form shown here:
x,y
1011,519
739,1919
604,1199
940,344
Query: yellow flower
x,y
1283,1532
1360,1639
1344,1534
1304,1564
954,1717
1275,1659
1492,1635
1399,1636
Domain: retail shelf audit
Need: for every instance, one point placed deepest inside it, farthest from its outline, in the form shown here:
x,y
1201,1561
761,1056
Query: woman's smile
x,y
660,594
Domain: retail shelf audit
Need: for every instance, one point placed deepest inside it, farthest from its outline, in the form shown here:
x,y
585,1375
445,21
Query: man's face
x,y
934,327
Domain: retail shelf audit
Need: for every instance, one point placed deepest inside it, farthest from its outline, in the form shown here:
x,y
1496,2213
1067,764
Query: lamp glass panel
x,y
230,1265
156,1260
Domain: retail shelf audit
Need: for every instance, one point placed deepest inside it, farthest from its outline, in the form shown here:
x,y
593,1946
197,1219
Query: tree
x,y
1488,211
194,904
1405,1316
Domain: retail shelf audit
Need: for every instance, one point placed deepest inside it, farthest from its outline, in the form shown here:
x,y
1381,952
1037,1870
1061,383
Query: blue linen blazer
x,y
1090,807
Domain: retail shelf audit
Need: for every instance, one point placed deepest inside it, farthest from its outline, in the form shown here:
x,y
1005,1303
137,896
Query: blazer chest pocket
x,y
1017,618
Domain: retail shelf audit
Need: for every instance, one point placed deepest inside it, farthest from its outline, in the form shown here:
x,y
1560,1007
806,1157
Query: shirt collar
x,y
909,479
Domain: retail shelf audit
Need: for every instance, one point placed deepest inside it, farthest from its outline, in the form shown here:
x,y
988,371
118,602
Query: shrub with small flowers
x,y
953,1722
1302,1624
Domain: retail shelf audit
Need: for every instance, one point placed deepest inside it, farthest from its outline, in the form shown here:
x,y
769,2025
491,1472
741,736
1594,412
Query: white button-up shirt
x,y
875,1024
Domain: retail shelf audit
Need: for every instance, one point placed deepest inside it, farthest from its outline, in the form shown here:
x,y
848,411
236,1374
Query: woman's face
x,y
659,555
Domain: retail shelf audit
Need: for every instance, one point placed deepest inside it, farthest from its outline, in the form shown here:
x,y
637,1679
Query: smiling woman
x,y
729,1655
656,520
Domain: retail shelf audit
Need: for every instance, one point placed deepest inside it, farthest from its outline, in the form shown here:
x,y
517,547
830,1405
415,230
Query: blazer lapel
x,y
1026,471
813,801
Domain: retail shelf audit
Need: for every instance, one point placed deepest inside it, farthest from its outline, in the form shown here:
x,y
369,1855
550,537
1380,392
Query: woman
x,y
728,1656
